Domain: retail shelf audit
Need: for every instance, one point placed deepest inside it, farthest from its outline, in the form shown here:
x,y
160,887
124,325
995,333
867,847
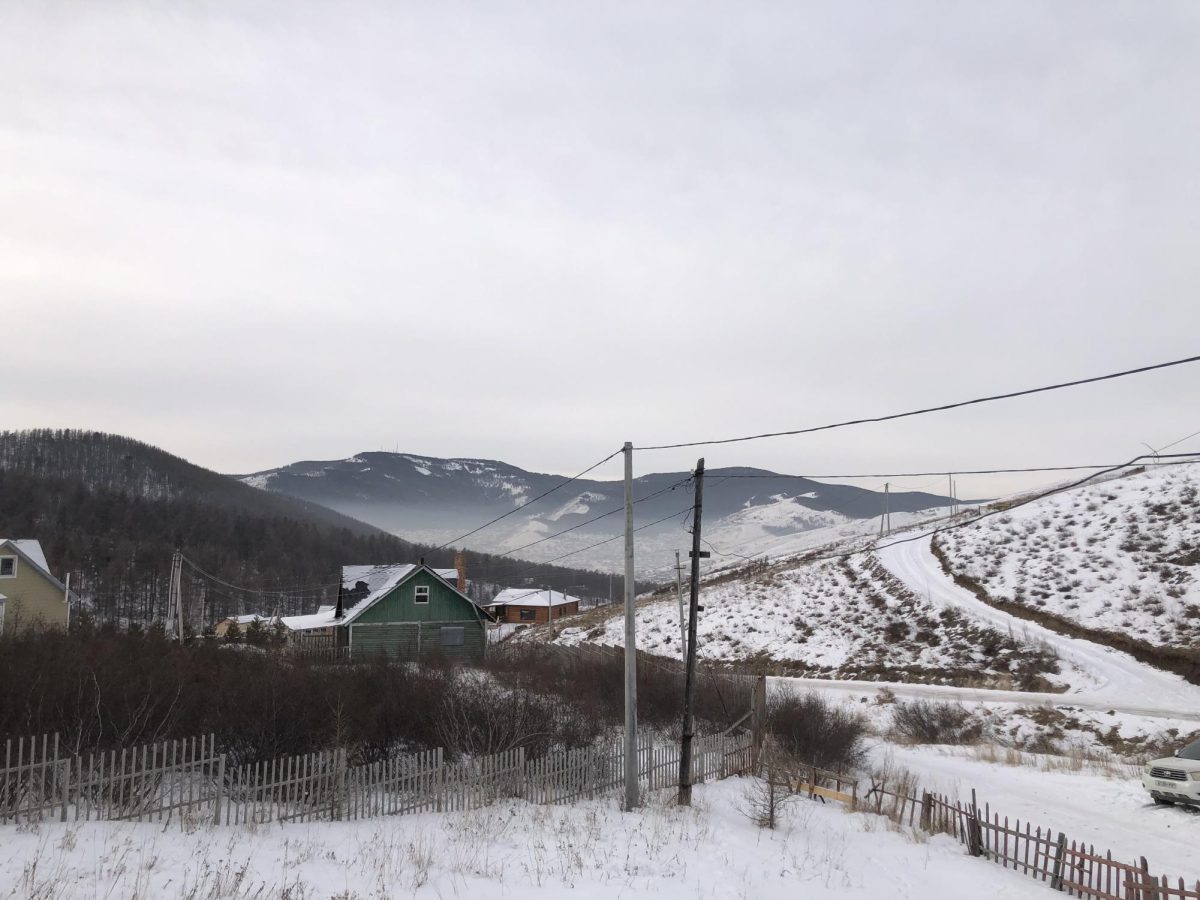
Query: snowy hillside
x,y
847,619
1121,556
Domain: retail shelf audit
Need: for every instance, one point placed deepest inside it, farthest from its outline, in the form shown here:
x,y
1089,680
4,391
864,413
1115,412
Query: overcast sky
x,y
254,233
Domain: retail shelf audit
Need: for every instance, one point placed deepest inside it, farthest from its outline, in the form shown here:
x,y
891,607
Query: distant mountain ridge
x,y
435,499
111,510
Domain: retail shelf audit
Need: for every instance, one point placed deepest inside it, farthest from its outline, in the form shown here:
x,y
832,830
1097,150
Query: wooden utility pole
x,y
682,615
685,747
632,794
885,521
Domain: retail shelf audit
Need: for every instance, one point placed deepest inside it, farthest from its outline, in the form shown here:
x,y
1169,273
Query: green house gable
x,y
421,616
445,604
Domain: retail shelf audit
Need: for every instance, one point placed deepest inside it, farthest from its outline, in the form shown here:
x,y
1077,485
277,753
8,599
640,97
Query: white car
x,y
1175,779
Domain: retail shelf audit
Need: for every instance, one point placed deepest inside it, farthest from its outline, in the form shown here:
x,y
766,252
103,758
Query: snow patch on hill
x,y
1120,556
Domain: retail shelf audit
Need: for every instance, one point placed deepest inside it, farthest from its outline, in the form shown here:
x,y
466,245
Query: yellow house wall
x,y
33,601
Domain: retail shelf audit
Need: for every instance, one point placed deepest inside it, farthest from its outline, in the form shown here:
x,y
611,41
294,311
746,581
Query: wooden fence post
x,y
1056,879
440,786
926,811
220,789
974,832
758,721
66,787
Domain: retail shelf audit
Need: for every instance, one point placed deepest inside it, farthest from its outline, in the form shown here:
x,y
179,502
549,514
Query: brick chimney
x,y
460,563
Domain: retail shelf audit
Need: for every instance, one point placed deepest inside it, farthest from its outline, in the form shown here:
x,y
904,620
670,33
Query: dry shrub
x,y
926,722
814,731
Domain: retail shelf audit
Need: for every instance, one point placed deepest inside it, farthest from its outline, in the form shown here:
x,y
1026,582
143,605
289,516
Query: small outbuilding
x,y
405,611
522,606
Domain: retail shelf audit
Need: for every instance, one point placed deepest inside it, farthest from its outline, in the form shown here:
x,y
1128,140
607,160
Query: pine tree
x,y
256,635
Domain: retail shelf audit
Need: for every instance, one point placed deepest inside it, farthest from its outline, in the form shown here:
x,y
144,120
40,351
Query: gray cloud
x,y
532,231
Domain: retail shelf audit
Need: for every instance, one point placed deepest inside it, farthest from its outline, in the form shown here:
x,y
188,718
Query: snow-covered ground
x,y
1111,678
1108,809
847,619
1122,555
511,850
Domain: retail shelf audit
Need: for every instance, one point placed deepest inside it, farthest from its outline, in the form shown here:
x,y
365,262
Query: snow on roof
x,y
376,576
31,548
527,597
380,580
323,619
246,620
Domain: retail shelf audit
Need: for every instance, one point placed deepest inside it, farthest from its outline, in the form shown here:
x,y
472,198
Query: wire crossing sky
x,y
256,234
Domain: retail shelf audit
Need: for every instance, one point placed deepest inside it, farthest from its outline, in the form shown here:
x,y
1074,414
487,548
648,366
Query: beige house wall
x,y
33,601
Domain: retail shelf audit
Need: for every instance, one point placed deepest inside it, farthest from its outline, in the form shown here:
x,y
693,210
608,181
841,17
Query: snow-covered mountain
x,y
1120,556
748,512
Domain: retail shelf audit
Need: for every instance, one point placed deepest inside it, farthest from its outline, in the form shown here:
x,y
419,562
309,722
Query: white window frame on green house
x,y
421,594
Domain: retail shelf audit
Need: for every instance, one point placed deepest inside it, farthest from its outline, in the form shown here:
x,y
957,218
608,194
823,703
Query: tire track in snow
x,y
1118,681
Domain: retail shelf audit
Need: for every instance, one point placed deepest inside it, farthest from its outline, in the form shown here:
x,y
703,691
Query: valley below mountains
x,y
747,512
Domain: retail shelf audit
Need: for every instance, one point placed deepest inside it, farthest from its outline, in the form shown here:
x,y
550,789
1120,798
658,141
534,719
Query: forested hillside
x,y
111,511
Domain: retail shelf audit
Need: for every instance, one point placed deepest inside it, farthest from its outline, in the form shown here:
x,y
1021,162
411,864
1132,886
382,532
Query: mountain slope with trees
x,y
110,511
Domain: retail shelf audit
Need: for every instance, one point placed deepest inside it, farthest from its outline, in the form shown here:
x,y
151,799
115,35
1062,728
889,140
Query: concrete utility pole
x,y
685,747
682,617
950,489
632,797
179,596
174,604
887,516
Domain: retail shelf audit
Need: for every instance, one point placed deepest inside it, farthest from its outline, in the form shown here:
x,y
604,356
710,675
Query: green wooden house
x,y
401,611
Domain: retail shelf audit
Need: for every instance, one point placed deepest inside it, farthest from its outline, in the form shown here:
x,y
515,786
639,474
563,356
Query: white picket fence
x,y
188,780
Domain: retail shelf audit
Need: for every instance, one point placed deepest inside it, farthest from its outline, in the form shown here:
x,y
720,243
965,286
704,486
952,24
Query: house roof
x,y
380,581
527,597
30,550
377,576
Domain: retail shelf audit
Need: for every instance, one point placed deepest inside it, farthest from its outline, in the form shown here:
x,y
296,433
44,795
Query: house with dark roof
x,y
30,597
403,611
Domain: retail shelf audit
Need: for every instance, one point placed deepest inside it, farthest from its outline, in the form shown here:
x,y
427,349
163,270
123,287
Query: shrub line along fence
x,y
1075,868
189,780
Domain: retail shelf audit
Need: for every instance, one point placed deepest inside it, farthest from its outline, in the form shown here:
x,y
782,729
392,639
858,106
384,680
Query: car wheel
x,y
1158,801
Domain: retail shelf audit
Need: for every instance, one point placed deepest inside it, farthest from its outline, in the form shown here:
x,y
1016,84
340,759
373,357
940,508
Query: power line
x,y
611,512
616,537
969,471
1017,505
311,589
561,484
1180,441
930,409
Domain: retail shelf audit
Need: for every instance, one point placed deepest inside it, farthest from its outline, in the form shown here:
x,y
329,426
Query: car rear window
x,y
1191,751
